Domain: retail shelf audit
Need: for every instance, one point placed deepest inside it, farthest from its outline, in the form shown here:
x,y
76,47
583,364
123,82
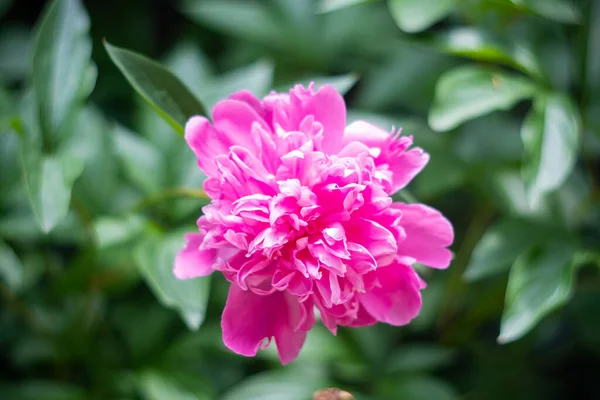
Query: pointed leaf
x,y
11,268
334,5
417,15
539,282
550,136
61,61
468,92
158,86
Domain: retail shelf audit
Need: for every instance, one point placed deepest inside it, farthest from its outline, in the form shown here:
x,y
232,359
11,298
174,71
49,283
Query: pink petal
x,y
363,132
328,108
192,262
249,319
234,119
428,233
398,300
205,142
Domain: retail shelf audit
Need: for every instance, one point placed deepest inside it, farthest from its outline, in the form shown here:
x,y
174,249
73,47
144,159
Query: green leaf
x,y
420,357
60,61
557,10
142,161
158,86
48,180
342,83
502,243
248,20
479,45
539,282
42,390
416,15
277,385
420,388
155,256
94,143
468,92
110,231
5,6
156,385
325,6
11,268
550,136
15,53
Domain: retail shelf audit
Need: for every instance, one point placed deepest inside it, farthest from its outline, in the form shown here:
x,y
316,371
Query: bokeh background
x,y
504,95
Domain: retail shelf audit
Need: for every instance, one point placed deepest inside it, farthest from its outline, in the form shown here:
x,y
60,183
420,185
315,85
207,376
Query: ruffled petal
x,y
191,262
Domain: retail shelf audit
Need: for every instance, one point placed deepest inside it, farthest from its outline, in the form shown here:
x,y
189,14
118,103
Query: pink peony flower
x,y
301,218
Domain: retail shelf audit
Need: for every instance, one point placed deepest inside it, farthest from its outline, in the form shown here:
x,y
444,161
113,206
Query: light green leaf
x,y
342,83
11,268
60,61
143,162
48,180
550,136
557,10
156,385
417,15
334,5
468,92
277,385
476,44
501,244
189,64
256,78
155,256
158,86
539,282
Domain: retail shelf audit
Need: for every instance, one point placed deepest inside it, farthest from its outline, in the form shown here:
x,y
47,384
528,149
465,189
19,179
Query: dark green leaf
x,y
468,92
421,388
551,139
501,244
11,269
5,6
479,45
417,15
420,357
539,282
155,257
158,86
61,60
15,53
40,390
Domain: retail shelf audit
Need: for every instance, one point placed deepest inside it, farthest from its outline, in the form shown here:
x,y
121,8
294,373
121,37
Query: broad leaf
x,y
422,357
110,231
417,15
420,387
479,45
158,86
550,136
155,256
468,92
48,180
61,61
557,10
42,390
15,53
501,244
539,282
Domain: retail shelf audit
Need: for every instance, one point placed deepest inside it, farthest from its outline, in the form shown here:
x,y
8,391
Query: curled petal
x,y
428,233
191,262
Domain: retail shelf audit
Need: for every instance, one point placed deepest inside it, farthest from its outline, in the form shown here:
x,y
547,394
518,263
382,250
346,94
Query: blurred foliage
x,y
96,190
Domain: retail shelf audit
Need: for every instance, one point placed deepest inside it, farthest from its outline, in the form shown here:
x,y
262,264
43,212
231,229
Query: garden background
x,y
96,191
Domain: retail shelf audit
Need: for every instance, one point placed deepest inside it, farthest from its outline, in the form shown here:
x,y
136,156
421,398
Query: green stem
x,y
169,194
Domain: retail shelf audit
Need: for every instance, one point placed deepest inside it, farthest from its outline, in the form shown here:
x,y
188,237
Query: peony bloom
x,y
302,218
